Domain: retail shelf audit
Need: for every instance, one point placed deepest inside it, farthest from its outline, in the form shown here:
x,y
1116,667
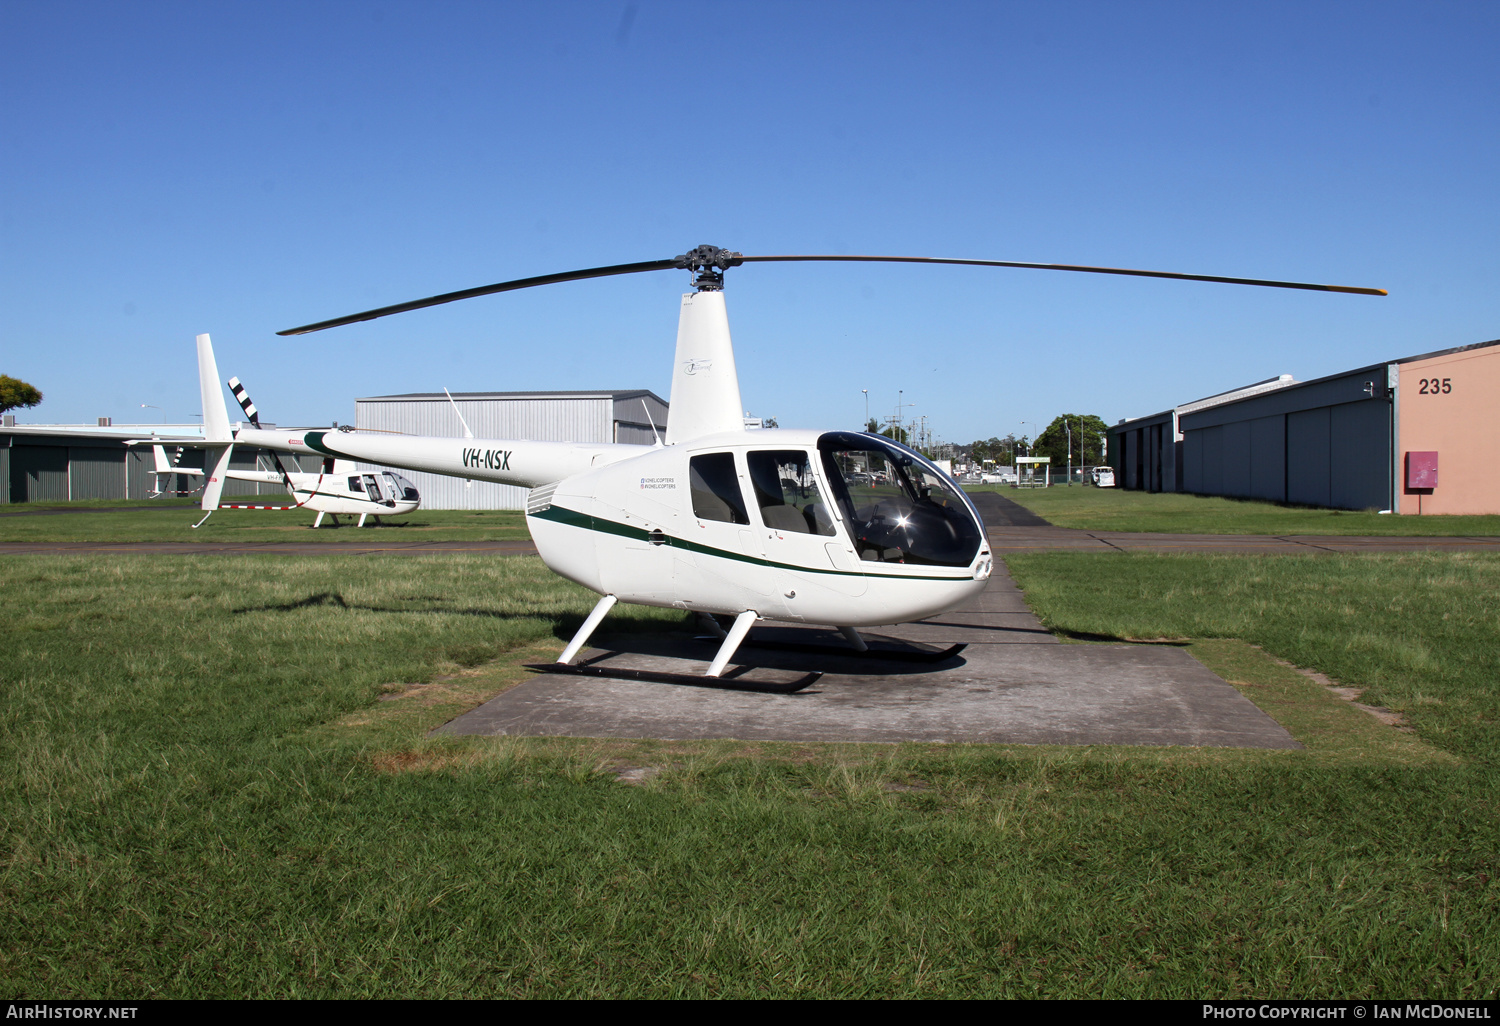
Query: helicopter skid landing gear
x,y
715,678
896,651
908,653
732,682
742,624
603,606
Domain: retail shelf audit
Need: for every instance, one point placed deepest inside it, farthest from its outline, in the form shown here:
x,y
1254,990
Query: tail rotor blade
x,y
243,398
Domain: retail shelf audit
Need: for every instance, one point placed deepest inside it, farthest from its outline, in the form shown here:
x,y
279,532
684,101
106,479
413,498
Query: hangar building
x,y
1148,450
607,416
62,462
1415,435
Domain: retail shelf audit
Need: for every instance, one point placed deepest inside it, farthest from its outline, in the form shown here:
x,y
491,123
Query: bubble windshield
x,y
899,506
398,487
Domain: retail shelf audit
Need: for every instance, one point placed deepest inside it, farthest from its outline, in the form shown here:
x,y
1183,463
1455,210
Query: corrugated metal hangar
x,y
59,463
606,416
1375,437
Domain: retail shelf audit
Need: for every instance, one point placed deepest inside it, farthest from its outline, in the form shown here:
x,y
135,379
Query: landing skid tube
x,y
729,683
902,655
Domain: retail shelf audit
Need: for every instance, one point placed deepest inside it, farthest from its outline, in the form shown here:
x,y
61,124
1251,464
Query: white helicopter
x,y
338,488
829,527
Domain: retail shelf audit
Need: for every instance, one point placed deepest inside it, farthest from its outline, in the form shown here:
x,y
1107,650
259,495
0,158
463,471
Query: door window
x,y
786,490
715,488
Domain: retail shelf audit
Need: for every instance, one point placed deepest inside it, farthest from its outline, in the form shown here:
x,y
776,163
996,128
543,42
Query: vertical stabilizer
x,y
215,415
705,386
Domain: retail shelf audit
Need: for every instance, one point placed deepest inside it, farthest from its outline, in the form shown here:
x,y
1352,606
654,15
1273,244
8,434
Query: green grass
x,y
160,521
220,784
1420,631
1115,509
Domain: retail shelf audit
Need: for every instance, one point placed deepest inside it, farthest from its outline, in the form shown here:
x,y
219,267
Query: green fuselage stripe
x,y
314,440
572,518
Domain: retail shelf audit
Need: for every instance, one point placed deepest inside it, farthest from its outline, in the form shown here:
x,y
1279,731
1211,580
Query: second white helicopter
x,y
337,488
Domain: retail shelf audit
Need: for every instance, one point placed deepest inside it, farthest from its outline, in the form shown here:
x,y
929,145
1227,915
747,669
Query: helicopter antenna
x,y
652,422
467,432
468,481
708,264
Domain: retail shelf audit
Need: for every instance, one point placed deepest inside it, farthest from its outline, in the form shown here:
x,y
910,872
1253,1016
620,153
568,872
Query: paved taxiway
x,y
1012,528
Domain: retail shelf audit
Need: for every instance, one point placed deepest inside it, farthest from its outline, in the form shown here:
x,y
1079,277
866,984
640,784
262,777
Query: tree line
x,y
1081,434
16,394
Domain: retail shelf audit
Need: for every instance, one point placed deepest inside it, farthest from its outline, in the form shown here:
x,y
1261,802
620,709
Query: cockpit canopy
x,y
899,506
386,486
398,487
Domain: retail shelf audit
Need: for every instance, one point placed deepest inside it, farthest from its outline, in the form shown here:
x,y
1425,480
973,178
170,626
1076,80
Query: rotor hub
x,y
708,264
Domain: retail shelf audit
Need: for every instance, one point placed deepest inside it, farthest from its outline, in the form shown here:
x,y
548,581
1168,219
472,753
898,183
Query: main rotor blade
x,y
484,290
706,258
1075,267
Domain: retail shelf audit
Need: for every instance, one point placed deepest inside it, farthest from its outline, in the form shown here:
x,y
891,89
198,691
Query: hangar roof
x,y
606,393
1448,352
1246,392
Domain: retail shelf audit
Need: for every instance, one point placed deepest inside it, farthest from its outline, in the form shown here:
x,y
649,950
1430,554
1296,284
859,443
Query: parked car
x,y
1103,477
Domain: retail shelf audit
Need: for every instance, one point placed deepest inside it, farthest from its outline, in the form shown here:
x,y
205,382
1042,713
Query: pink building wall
x,y
1451,405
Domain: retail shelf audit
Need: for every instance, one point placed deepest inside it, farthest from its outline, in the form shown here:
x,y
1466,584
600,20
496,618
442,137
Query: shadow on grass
x,y
1115,639
564,625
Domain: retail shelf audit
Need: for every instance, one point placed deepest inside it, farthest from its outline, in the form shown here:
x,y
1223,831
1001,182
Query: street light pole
x,y
1069,428
866,425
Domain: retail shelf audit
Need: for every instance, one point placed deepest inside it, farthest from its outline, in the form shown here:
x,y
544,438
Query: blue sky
x,y
168,169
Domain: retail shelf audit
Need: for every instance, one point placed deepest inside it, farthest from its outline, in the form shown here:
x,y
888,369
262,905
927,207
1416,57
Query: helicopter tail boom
x,y
504,461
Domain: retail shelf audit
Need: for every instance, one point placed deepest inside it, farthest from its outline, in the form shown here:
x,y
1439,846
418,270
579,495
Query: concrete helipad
x,y
1013,683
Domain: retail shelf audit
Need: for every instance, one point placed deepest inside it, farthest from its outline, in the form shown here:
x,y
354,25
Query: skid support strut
x,y
854,639
736,635
602,607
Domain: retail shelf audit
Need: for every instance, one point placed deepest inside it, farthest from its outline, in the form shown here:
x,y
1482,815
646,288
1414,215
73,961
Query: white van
x,y
1103,477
